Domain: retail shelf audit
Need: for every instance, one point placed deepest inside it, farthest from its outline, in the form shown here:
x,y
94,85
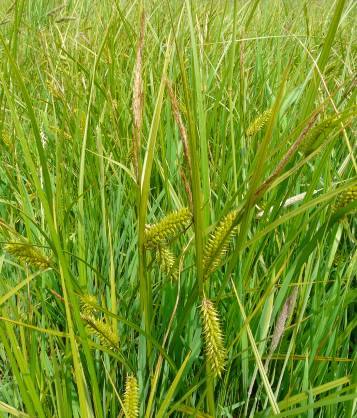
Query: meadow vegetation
x,y
178,189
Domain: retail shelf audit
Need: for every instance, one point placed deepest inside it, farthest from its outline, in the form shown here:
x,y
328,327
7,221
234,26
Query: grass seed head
x,y
86,304
258,123
166,261
166,229
218,243
138,96
27,253
102,330
281,321
317,135
213,338
346,197
131,397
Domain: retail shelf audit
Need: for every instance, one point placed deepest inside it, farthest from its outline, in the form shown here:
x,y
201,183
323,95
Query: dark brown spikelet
x,y
167,228
27,253
218,244
346,197
102,330
131,397
213,338
258,123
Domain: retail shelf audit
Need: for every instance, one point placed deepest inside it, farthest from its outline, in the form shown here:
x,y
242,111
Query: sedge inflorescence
x,y
27,253
166,261
346,197
213,338
97,327
218,243
317,135
167,228
131,397
258,123
102,330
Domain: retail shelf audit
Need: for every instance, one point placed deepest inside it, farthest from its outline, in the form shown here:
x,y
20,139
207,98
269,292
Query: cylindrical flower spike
x,y
131,397
102,330
218,244
164,230
166,261
87,303
258,123
317,135
213,338
27,253
346,197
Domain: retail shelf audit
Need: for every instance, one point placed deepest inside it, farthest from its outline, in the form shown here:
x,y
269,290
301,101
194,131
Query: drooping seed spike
x,y
213,338
131,397
318,135
29,254
258,123
166,261
102,330
87,303
167,228
218,244
347,196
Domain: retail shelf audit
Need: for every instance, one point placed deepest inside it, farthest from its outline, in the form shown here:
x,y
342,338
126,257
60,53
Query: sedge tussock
x,y
166,229
102,331
27,253
166,261
218,243
213,338
258,123
131,397
346,197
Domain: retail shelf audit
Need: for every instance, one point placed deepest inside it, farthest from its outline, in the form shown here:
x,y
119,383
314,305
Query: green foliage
x,y
93,147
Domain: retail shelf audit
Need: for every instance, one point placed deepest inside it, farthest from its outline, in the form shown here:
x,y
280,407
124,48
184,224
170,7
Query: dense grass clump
x,y
177,208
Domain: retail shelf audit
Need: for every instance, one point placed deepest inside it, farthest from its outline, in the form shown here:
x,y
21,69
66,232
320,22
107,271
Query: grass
x,y
115,115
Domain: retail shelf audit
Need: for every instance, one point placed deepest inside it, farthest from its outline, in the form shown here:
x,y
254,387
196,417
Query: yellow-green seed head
x,y
166,261
27,253
258,123
317,135
346,197
213,338
102,330
218,244
167,228
87,303
131,397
